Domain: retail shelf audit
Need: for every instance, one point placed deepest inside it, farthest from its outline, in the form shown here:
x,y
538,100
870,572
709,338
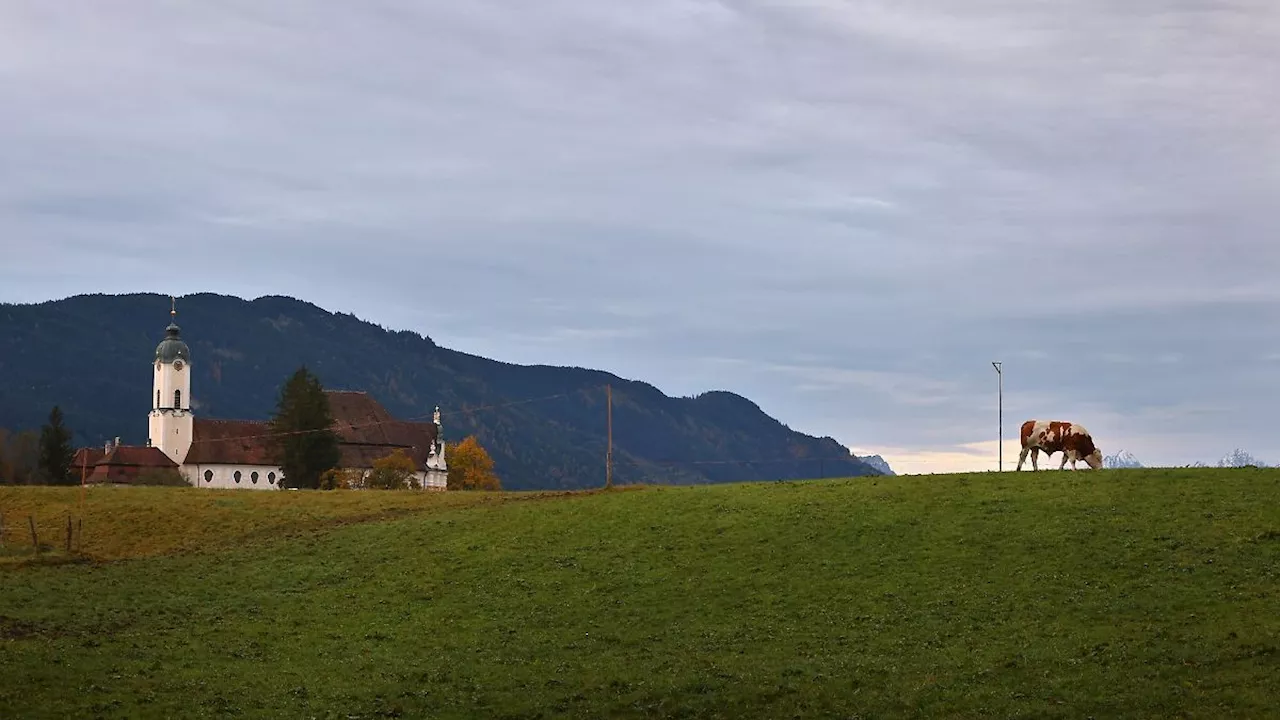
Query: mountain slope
x,y
878,463
545,426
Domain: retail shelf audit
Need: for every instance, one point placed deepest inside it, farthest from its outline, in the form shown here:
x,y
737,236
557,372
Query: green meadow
x,y
1120,593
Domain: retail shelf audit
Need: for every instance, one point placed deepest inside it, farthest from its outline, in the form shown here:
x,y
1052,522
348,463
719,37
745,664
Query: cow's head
x,y
1094,459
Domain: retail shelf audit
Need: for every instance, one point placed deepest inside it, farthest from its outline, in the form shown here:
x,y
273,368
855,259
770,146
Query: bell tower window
x,y
177,399
157,399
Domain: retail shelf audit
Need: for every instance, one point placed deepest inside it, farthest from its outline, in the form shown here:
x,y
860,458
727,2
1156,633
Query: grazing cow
x,y
1051,436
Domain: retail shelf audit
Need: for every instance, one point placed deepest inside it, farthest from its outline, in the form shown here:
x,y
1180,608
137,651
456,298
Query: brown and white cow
x,y
1051,436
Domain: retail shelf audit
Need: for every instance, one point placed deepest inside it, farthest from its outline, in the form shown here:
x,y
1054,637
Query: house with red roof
x,y
116,463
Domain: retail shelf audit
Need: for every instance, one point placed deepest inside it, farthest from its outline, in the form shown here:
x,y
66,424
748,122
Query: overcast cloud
x,y
844,211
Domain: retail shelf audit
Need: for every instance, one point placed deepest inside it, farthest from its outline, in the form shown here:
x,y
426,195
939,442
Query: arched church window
x,y
271,478
237,476
208,476
157,399
177,399
253,478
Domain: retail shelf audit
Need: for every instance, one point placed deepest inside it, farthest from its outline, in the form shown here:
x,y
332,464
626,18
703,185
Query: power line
x,y
375,423
794,460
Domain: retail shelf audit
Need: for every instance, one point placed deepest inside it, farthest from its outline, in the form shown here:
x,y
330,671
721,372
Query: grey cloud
x,y
862,205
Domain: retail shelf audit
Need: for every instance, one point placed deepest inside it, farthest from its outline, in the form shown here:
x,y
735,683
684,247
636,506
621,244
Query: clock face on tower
x,y
177,364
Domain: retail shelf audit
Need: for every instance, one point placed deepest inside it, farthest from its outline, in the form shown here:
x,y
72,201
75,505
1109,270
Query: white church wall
x,y
433,480
223,477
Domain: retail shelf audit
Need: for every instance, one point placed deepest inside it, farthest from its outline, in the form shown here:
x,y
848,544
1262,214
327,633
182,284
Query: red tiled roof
x,y
122,463
230,442
355,408
151,457
366,432
130,455
88,457
360,449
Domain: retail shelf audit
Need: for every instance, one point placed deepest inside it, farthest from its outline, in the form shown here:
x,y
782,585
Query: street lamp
x,y
1000,375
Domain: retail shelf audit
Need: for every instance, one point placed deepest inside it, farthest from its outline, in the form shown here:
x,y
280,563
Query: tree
x,y
305,441
393,472
56,455
6,469
338,479
471,468
23,458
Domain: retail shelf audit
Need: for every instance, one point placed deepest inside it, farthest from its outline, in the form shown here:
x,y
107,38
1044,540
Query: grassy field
x,y
1057,594
135,522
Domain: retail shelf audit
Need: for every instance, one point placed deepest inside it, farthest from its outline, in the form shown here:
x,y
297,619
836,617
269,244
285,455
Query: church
x,y
239,454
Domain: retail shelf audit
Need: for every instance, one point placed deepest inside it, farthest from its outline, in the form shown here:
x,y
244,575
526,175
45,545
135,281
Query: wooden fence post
x,y
68,534
35,542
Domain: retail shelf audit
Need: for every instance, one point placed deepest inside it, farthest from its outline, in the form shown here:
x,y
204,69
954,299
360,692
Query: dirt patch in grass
x,y
15,629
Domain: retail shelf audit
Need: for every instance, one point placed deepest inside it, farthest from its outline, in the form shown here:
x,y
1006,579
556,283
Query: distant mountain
x,y
876,462
1235,459
1121,459
544,426
1239,458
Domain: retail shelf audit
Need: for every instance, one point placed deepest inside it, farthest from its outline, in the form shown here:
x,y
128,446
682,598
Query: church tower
x,y
171,422
437,475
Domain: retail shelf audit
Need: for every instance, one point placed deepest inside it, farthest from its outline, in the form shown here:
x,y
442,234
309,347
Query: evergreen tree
x,y
56,454
305,440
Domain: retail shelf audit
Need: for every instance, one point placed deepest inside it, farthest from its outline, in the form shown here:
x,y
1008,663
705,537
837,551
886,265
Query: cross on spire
x,y
173,307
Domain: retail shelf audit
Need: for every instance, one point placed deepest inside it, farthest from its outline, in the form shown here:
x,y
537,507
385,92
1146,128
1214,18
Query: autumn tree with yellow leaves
x,y
393,472
471,468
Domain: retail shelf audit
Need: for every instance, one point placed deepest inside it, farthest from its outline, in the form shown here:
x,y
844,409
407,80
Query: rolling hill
x,y
91,354
1118,593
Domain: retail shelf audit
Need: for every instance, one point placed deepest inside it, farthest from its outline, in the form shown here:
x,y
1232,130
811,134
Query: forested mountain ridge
x,y
91,355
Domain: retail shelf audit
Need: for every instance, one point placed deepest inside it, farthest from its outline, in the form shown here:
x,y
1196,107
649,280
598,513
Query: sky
x,y
843,211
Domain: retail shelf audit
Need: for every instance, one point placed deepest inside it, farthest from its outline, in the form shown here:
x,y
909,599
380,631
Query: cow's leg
x,y
1035,455
1022,458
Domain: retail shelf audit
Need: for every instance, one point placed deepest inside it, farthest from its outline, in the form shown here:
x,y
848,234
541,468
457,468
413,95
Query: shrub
x,y
169,477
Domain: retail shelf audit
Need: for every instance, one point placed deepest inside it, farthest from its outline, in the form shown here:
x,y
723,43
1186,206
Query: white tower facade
x,y
437,474
171,423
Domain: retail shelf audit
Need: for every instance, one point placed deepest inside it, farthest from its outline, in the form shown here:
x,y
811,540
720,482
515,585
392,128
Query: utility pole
x,y
1000,375
608,460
